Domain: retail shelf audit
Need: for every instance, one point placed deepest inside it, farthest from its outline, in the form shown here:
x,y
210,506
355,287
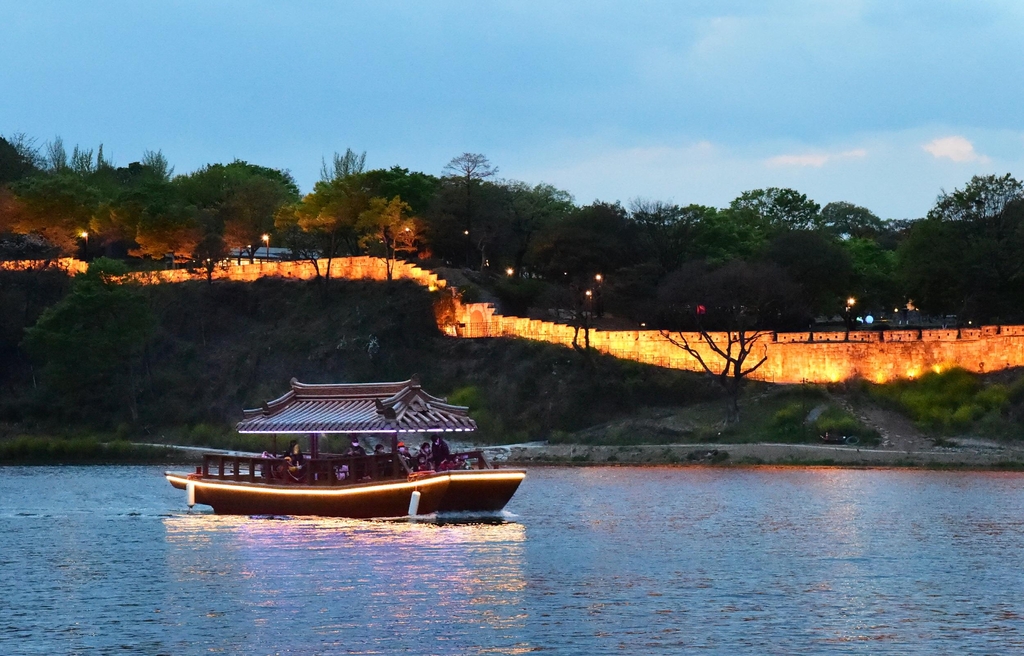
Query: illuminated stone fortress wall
x,y
345,268
812,357
815,357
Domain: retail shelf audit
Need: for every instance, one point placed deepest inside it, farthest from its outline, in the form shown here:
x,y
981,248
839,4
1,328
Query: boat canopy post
x,y
395,469
314,445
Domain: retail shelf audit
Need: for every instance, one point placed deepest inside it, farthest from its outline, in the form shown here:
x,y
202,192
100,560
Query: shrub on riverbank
x,y
956,401
770,414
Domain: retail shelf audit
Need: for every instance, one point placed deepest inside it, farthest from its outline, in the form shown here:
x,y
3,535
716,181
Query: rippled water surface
x,y
98,560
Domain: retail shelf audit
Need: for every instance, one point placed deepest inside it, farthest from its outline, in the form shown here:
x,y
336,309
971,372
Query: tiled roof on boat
x,y
356,408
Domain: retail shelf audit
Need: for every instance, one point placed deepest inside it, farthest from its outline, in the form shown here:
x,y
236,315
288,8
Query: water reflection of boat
x,y
357,486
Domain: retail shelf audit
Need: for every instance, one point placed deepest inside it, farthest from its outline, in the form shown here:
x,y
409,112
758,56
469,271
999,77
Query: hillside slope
x,y
216,349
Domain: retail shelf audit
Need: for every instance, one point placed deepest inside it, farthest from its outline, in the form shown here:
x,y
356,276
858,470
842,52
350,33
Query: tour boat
x,y
356,486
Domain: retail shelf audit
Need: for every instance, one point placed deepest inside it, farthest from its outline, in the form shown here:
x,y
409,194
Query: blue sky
x,y
878,103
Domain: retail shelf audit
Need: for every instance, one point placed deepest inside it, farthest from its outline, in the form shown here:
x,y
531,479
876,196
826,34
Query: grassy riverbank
x,y
36,450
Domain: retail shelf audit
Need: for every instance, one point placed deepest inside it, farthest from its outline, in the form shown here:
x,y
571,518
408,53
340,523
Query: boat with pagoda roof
x,y
345,485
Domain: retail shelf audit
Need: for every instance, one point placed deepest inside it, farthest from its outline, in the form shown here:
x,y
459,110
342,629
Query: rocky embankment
x,y
969,453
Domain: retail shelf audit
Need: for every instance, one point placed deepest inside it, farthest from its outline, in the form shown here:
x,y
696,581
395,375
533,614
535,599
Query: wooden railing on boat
x,y
327,470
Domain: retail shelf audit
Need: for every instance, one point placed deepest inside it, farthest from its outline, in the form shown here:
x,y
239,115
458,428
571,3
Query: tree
x,y
967,257
343,167
530,209
846,220
415,188
983,198
873,282
18,158
157,163
779,209
91,343
664,229
210,252
57,207
248,213
55,156
324,223
720,235
466,172
173,231
822,267
597,238
302,244
743,301
931,266
387,228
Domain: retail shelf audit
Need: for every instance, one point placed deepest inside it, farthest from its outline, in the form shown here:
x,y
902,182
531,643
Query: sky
x,y
883,104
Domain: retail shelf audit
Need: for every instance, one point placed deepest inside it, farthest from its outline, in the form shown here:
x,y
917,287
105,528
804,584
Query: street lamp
x,y
85,252
850,302
266,240
509,271
598,278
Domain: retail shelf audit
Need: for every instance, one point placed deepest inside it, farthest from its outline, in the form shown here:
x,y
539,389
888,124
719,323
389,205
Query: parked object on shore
x,y
829,438
351,485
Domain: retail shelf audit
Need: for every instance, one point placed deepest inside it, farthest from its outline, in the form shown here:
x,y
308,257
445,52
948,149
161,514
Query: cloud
x,y
887,171
955,148
817,160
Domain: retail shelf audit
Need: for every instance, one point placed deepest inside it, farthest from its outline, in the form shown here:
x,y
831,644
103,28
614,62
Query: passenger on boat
x,y
439,451
403,451
295,460
356,449
378,450
423,461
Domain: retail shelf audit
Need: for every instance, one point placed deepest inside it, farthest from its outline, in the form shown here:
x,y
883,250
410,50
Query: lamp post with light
x,y
848,316
266,241
85,245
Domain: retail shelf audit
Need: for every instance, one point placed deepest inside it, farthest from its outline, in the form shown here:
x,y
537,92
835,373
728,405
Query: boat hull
x,y
474,491
357,501
480,491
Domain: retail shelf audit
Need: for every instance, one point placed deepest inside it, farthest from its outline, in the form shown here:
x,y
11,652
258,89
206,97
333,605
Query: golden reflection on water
x,y
406,576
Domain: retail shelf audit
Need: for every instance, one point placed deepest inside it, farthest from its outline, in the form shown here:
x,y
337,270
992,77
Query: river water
x,y
106,560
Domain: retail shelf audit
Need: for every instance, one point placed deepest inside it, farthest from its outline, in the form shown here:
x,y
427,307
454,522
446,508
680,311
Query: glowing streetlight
x,y
850,302
85,251
598,278
509,271
465,232
589,293
266,240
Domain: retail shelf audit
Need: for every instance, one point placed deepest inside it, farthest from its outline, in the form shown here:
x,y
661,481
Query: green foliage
x,y
518,295
818,264
218,349
779,209
91,345
790,422
839,422
81,450
945,402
